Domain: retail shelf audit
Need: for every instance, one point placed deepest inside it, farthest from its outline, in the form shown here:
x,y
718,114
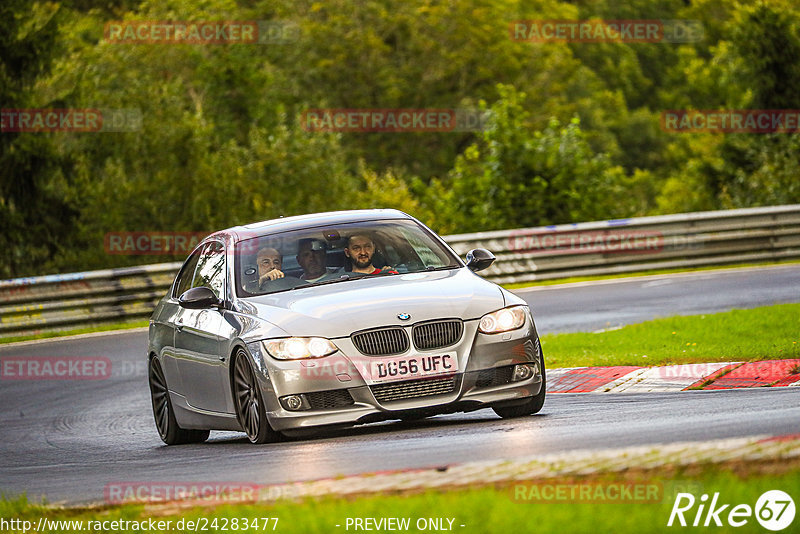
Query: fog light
x,y
293,402
522,372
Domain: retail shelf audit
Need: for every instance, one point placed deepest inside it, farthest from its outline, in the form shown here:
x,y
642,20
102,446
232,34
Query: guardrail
x,y
639,244
66,301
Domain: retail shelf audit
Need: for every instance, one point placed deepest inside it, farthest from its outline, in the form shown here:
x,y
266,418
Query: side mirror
x,y
479,259
199,298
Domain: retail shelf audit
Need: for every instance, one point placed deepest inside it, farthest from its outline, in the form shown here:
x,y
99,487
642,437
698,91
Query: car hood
x,y
338,309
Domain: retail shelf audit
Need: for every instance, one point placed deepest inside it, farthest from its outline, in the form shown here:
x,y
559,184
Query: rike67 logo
x,y
774,510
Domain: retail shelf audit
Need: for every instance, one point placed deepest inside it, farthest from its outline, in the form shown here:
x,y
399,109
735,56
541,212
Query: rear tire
x,y
164,415
249,402
533,405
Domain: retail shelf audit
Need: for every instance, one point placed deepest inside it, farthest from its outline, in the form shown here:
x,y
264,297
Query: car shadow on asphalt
x,y
434,423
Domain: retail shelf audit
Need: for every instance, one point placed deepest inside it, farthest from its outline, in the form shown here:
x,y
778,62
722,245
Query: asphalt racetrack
x,y
591,306
67,440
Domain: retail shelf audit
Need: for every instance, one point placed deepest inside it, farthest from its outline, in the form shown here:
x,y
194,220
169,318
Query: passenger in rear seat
x,y
312,256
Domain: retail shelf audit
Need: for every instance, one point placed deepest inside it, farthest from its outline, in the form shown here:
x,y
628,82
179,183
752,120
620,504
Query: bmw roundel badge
x,y
403,316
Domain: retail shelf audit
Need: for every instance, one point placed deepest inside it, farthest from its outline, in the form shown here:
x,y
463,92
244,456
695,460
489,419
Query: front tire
x,y
531,406
164,415
249,402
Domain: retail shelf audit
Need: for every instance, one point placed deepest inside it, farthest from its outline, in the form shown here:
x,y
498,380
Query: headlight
x,y
298,348
503,320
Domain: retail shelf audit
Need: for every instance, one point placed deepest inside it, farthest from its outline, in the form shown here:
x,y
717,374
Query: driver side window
x,y
184,281
210,270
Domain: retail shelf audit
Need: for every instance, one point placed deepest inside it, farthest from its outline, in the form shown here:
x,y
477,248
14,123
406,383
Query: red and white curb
x,y
634,379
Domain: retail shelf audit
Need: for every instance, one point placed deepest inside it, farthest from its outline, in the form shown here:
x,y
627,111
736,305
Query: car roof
x,y
299,222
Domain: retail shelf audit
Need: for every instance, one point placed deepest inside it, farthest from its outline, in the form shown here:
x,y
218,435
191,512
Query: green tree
x,y
515,177
216,145
762,169
35,212
576,133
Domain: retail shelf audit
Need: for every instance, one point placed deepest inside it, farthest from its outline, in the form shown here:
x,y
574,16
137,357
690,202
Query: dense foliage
x,y
574,133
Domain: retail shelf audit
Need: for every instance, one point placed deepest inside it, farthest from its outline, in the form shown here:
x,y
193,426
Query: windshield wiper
x,y
431,268
342,278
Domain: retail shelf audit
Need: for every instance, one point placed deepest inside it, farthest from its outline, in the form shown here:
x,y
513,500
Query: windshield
x,y
332,254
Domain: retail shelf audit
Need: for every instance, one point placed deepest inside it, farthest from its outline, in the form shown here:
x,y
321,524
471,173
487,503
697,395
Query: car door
x,y
200,337
167,324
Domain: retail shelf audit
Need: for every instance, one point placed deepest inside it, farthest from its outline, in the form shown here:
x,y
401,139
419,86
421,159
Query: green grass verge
x,y
766,333
558,281
489,509
76,331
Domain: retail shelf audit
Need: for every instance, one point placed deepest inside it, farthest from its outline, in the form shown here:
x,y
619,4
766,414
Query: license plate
x,y
406,367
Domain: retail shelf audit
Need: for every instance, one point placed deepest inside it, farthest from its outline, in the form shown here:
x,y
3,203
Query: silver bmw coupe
x,y
338,318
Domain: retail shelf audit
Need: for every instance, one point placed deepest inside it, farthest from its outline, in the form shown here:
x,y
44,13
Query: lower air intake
x,y
413,389
325,400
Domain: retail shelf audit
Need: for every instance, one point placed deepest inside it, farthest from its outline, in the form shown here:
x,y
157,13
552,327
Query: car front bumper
x,y
334,392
